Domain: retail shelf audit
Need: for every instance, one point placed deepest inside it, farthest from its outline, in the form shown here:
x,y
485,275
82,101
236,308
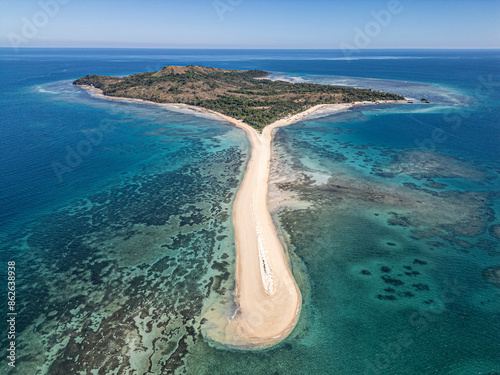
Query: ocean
x,y
118,216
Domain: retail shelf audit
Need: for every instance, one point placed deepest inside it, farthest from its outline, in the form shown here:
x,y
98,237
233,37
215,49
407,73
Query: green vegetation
x,y
242,94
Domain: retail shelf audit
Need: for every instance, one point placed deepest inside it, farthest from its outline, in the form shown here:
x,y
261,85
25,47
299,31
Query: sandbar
x,y
267,298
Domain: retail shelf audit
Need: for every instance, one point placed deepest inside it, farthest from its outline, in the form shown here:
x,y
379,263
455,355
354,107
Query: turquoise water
x,y
118,216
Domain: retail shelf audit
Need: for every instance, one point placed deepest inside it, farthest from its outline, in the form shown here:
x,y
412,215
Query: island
x,y
267,297
241,94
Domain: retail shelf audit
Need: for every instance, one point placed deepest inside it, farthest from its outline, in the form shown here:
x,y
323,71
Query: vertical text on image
x,y
11,313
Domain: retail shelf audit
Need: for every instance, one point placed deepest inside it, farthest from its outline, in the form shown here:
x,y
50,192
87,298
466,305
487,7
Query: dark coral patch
x,y
418,261
421,287
492,275
495,231
389,280
412,273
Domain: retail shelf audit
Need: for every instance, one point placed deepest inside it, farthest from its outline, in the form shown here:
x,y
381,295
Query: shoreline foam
x,y
267,297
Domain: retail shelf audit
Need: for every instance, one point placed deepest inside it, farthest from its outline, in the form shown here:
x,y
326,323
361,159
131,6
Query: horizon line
x,y
264,48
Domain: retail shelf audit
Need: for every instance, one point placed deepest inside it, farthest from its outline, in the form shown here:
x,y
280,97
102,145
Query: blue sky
x,y
251,23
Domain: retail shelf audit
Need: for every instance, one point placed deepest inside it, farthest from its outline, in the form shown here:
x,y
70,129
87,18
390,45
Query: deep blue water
x,y
131,203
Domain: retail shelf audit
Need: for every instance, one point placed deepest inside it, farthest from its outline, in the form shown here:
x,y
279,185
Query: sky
x,y
300,24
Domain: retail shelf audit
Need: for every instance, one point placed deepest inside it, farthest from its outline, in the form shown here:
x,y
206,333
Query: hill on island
x,y
242,94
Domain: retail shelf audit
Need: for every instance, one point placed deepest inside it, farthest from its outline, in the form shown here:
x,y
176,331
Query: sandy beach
x,y
267,297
